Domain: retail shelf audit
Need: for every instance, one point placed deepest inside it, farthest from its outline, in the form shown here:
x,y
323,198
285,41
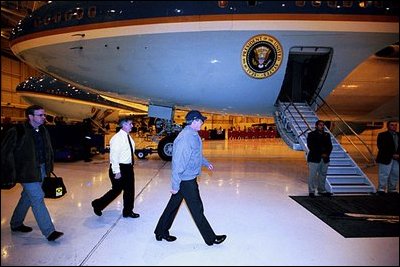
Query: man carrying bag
x,y
28,160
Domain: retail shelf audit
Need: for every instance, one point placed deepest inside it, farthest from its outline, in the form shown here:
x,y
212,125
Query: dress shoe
x,y
219,239
131,215
22,228
54,235
326,194
169,238
96,210
311,195
380,193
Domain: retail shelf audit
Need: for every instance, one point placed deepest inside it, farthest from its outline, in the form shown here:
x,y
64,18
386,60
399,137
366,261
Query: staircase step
x,y
344,175
353,189
332,170
343,162
338,154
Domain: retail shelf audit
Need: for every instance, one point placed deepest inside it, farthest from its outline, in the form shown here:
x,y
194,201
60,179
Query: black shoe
x,y
54,235
381,193
219,239
311,195
326,194
131,215
169,238
96,210
22,228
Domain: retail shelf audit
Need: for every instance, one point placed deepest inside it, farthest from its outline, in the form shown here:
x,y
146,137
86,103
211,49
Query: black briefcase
x,y
53,187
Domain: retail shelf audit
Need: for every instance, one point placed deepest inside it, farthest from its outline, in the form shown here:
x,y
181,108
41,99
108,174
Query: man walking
x,y
27,154
187,160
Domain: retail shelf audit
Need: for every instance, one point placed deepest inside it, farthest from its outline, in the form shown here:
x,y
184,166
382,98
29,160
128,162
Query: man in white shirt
x,y
121,172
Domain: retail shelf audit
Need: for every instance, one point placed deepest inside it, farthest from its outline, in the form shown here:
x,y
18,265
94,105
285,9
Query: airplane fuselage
x,y
197,54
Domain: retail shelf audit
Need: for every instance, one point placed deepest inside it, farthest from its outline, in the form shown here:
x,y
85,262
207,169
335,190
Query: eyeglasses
x,y
39,115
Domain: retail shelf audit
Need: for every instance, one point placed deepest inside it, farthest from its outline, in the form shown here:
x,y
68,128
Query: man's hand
x,y
117,175
173,192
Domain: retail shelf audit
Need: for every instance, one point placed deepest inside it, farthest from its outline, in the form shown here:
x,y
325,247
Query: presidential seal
x,y
261,56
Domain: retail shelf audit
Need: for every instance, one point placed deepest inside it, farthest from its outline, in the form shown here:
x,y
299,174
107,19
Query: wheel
x,y
164,148
140,155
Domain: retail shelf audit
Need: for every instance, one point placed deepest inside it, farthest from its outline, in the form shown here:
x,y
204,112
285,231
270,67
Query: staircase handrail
x,y
372,158
291,103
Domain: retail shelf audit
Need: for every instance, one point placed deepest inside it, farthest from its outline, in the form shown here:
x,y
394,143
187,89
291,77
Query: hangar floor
x,y
246,197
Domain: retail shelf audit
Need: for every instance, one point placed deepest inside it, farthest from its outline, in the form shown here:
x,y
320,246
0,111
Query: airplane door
x,y
306,71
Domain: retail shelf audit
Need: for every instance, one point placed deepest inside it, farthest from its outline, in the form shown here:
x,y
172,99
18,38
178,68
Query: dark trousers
x,y
189,190
125,183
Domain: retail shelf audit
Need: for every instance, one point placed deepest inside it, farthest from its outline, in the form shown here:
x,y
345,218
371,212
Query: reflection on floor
x,y
246,197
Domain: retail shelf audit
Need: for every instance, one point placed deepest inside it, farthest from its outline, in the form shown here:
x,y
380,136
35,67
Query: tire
x,y
164,148
141,155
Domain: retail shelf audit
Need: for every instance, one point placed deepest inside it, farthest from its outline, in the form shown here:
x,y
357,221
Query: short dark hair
x,y
31,110
318,122
389,122
124,119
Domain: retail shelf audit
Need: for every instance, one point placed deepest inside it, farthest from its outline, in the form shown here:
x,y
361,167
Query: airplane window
x,y
252,3
57,17
222,4
300,3
365,4
92,12
347,3
78,13
68,15
378,4
332,4
316,3
47,20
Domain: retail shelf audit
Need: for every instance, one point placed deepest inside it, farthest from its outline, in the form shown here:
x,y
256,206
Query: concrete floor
x,y
246,197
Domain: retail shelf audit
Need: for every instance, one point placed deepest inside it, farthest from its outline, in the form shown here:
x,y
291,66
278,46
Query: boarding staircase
x,y
294,121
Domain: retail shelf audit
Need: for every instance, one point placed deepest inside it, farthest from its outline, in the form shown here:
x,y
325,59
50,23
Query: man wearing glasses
x,y
388,159
27,155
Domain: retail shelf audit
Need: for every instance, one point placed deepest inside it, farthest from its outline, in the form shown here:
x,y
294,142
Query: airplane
x,y
225,57
74,104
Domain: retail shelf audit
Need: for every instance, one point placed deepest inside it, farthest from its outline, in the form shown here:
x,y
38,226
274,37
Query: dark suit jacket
x,y
18,157
318,144
386,147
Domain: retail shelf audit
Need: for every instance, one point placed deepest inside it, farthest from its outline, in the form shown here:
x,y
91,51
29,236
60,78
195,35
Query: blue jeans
x,y
388,176
317,176
32,196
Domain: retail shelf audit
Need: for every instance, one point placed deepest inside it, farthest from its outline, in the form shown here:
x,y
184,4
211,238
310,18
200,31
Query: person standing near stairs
x,y
320,147
388,159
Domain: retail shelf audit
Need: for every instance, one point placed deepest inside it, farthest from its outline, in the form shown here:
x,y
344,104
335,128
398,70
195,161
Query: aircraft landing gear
x,y
164,148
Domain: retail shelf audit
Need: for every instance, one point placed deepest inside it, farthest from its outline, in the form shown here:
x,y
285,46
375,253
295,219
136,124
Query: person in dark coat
x,y
388,159
27,156
320,147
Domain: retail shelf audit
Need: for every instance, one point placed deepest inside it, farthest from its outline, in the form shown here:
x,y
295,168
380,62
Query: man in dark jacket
x,y
320,147
388,159
27,156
